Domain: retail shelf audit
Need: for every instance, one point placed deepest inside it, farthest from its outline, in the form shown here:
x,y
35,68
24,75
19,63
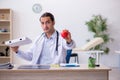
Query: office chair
x,y
70,54
75,55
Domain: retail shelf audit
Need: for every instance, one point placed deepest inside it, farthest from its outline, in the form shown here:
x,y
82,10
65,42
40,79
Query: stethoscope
x,y
57,41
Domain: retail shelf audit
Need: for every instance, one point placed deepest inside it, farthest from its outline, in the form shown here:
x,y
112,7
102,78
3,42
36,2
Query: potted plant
x,y
98,26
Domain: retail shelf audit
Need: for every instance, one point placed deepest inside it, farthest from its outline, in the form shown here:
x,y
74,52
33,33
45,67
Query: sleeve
x,y
69,45
27,55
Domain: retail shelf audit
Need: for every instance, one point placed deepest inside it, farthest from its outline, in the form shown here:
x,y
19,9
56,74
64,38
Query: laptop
x,y
34,67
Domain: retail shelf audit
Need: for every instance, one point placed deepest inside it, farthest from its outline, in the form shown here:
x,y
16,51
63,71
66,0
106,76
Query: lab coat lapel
x,y
38,50
58,57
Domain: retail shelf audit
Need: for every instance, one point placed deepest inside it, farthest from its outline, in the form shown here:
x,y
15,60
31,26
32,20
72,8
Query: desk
x,y
60,73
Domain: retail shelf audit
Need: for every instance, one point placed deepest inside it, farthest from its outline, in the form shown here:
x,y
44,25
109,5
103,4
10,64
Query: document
x,y
18,42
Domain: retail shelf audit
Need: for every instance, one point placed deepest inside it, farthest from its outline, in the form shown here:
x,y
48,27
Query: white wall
x,y
69,14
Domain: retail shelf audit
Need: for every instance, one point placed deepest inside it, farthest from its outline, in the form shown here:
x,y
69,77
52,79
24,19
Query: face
x,y
47,24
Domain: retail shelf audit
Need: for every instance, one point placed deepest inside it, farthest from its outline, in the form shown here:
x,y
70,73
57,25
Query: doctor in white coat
x,y
48,48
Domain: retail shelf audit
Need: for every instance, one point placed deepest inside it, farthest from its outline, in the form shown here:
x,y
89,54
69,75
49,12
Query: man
x,y
48,48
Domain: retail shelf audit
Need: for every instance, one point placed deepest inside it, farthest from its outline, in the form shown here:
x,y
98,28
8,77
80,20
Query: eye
x,y
48,22
42,23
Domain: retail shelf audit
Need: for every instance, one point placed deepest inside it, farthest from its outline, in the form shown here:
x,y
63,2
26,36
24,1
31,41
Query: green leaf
x,y
98,25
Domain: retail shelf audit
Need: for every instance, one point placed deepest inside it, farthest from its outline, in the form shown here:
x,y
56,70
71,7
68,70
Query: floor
x,y
114,74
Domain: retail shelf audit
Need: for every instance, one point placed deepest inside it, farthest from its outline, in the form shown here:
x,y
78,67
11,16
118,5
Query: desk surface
x,y
83,67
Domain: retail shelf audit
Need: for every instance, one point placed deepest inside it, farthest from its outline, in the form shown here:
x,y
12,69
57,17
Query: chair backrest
x,y
68,55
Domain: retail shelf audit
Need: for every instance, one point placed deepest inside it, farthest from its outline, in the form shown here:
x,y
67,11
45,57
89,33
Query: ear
x,y
53,22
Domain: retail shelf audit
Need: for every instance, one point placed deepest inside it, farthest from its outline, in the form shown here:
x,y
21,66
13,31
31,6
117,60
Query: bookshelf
x,y
5,34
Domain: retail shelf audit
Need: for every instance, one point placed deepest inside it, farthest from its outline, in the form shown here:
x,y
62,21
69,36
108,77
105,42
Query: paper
x,y
18,41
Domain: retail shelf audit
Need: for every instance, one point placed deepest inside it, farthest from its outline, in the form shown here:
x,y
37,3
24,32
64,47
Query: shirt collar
x,y
54,35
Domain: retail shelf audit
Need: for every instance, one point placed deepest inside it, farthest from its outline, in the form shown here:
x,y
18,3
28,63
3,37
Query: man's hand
x,y
66,35
15,49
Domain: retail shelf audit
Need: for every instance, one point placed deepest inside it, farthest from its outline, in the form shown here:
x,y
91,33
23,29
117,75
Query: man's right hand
x,y
15,49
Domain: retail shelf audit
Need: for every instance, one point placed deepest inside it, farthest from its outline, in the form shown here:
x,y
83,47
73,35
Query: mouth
x,y
45,30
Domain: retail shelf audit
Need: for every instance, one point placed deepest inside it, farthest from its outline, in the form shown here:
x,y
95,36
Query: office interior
x,y
71,15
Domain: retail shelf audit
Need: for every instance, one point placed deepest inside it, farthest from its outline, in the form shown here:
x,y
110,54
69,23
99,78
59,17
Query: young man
x,y
49,47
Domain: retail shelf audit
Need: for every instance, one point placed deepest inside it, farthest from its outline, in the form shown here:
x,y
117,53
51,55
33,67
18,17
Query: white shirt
x,y
48,52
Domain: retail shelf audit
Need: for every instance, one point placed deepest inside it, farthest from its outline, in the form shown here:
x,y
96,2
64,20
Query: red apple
x,y
64,33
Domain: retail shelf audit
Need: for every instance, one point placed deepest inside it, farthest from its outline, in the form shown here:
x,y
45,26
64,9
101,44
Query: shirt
x,y
48,52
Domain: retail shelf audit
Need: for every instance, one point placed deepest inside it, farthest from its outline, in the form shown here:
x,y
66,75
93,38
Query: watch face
x,y
37,8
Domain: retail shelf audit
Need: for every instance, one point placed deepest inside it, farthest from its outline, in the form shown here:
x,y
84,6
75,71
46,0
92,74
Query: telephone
x,y
6,66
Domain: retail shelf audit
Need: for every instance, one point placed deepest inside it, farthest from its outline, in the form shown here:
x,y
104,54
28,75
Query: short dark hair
x,y
47,14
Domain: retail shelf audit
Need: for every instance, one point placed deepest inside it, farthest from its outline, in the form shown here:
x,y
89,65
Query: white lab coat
x,y
35,51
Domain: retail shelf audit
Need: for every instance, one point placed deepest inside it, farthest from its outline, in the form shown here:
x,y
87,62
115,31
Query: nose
x,y
45,25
